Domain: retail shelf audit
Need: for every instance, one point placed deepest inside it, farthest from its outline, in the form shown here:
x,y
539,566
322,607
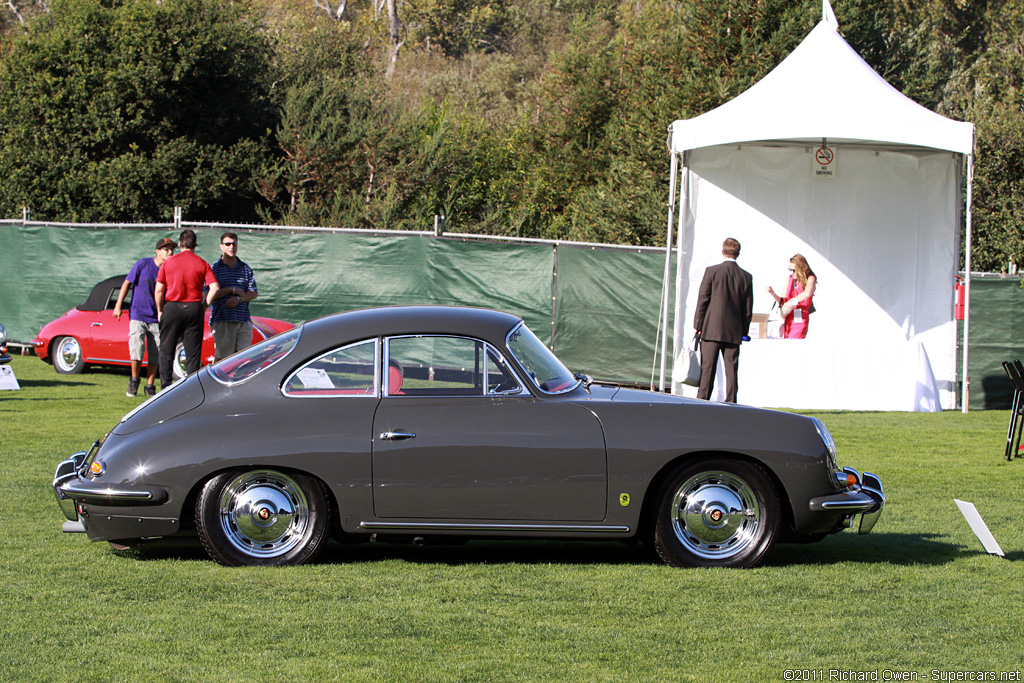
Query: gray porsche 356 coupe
x,y
422,421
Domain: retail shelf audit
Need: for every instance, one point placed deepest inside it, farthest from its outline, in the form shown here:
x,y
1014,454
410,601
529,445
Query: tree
x,y
20,11
121,111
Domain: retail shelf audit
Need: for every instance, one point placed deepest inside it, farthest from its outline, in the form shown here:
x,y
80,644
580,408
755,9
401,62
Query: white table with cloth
x,y
811,374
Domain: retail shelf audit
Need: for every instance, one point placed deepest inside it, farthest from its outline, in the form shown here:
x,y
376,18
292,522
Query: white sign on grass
x,y
979,527
7,378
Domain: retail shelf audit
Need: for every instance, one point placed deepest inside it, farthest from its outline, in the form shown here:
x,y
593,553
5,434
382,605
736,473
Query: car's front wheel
x,y
717,513
67,356
263,517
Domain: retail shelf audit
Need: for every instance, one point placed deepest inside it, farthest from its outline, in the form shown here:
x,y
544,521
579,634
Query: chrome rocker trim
x,y
445,526
864,501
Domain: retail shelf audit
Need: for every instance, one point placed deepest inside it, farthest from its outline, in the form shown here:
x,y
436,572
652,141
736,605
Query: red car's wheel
x,y
67,356
179,364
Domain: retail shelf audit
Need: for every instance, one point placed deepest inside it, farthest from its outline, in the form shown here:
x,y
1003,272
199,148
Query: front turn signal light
x,y
97,467
844,479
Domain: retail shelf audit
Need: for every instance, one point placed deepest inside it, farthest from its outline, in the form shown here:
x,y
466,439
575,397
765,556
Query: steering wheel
x,y
507,385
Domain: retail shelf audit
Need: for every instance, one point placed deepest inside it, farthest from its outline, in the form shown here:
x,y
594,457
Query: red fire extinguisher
x,y
961,288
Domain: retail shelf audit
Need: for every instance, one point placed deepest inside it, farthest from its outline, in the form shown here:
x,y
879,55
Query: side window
x,y
348,371
437,366
112,299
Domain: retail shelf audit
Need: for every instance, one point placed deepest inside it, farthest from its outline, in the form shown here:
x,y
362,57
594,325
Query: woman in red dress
x,y
796,305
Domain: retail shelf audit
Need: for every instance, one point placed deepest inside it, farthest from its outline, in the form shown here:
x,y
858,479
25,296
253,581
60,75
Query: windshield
x,y
255,359
542,367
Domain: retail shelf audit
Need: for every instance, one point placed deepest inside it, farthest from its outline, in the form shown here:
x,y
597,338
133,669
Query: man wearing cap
x,y
143,327
180,306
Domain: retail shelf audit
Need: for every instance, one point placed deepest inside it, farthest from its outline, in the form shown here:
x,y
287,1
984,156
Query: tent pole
x,y
677,336
673,172
965,390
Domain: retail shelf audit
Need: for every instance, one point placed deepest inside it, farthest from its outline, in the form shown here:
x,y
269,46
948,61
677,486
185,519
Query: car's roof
x,y
100,294
481,323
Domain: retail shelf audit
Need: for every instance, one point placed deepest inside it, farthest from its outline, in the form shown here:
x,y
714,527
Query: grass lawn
x,y
918,596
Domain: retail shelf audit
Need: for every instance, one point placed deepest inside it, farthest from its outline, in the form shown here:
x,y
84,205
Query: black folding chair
x,y
1015,371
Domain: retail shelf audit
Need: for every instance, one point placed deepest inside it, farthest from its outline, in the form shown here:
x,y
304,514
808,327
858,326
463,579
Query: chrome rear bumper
x,y
67,471
70,488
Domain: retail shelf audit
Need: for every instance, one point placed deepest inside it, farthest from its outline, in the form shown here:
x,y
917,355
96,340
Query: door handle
x,y
97,325
396,436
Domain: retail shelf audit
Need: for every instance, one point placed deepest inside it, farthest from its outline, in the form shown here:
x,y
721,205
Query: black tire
x,y
67,356
717,513
263,518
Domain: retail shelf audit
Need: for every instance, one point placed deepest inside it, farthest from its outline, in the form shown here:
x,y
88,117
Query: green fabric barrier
x,y
606,311
306,276
603,321
45,271
997,319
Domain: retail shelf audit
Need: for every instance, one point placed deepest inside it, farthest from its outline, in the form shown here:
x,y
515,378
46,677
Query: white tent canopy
x,y
823,89
879,223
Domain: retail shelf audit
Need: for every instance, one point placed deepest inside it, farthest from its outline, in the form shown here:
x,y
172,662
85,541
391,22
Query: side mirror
x,y
585,378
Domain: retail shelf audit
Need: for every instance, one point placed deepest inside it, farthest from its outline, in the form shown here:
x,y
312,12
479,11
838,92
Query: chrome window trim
x,y
375,377
488,347
575,385
509,368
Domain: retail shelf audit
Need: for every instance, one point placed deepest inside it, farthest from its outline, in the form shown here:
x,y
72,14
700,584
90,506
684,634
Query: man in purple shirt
x,y
143,328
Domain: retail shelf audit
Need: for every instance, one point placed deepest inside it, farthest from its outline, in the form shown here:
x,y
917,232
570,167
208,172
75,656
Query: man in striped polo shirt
x,y
230,322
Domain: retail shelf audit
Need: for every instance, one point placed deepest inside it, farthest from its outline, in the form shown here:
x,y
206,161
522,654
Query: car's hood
x,y
601,392
643,396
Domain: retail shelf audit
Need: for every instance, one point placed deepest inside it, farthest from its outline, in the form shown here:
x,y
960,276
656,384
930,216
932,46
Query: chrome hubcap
x,y
715,515
69,353
264,513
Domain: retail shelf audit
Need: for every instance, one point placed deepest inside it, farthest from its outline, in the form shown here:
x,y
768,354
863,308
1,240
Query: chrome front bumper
x,y
862,503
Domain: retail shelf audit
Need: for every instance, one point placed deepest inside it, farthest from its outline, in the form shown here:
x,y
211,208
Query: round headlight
x,y
827,439
3,335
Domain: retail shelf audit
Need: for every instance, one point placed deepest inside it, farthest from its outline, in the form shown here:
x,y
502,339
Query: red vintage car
x,y
89,333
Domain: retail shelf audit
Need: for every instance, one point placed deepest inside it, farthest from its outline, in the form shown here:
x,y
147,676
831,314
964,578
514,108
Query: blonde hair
x,y
803,271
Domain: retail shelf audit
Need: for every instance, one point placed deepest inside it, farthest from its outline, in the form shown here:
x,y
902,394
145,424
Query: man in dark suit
x,y
725,305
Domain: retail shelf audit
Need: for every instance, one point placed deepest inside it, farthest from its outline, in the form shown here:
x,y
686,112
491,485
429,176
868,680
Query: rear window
x,y
255,359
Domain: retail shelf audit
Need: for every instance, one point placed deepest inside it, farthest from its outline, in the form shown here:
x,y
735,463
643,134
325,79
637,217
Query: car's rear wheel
x,y
67,356
717,513
263,517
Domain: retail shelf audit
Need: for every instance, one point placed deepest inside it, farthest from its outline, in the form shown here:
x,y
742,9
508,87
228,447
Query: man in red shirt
x,y
180,306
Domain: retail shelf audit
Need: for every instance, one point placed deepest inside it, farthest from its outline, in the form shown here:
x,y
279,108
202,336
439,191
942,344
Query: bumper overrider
x,y
862,502
71,489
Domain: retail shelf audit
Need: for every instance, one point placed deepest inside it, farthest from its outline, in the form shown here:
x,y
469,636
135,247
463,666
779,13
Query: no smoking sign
x,y
824,162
